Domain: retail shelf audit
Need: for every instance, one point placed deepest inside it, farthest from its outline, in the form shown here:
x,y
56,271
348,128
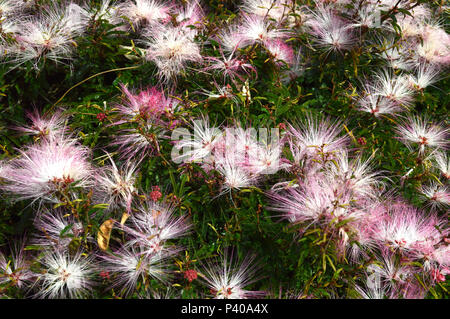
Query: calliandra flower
x,y
391,272
229,66
10,7
235,177
373,288
426,75
329,30
144,12
227,277
316,139
57,229
155,223
231,38
407,229
318,200
256,29
436,196
280,51
295,69
396,53
393,87
116,187
171,49
357,175
48,127
273,9
191,14
200,145
51,34
435,47
66,276
442,163
415,130
16,271
48,168
147,104
377,105
129,265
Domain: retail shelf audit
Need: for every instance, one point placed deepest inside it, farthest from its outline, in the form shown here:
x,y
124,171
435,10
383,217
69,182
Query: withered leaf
x,y
104,234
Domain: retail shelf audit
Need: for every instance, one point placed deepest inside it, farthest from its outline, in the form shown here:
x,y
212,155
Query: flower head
x,y
418,131
66,276
48,168
227,278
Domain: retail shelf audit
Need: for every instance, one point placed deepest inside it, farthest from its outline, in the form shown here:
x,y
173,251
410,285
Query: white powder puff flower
x,y
56,229
144,12
227,278
330,31
66,276
257,29
116,187
171,49
436,196
153,225
442,163
419,131
16,271
426,75
129,265
274,9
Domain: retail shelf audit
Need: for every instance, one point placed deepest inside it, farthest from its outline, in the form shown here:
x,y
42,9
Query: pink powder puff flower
x,y
329,30
171,49
153,225
295,69
266,158
442,162
256,29
227,278
229,66
357,175
144,12
137,143
418,131
392,273
10,7
51,34
201,145
47,168
146,104
66,276
407,229
437,196
190,15
129,265
272,9
116,187
56,229
280,51
231,38
312,201
435,47
47,127
314,139
440,257
235,175
16,271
